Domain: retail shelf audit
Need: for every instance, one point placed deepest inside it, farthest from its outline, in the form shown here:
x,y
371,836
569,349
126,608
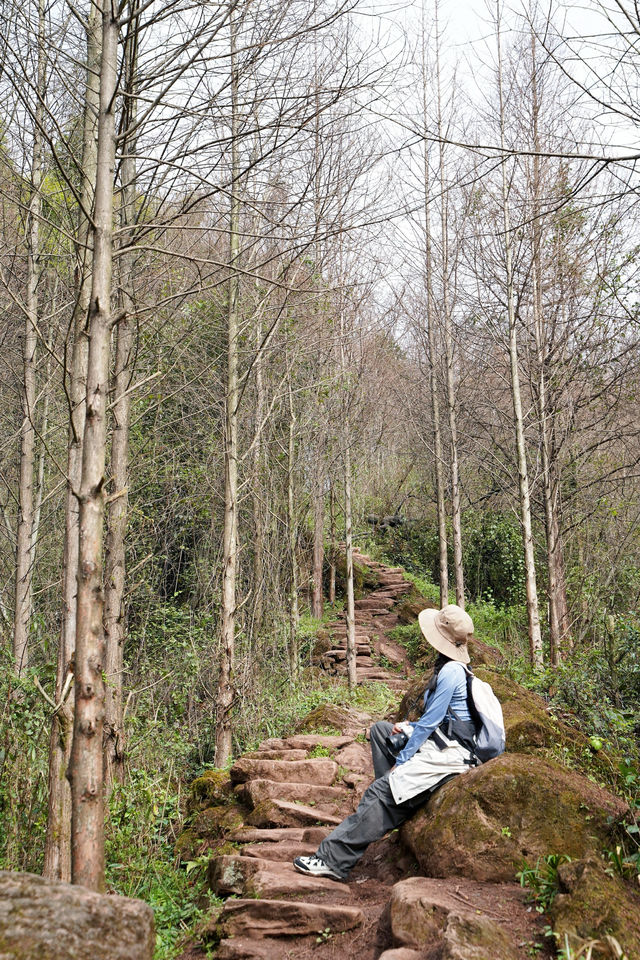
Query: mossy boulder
x,y
217,821
484,824
331,718
470,937
210,788
531,726
188,845
526,718
408,610
209,830
49,920
324,642
364,578
482,654
592,905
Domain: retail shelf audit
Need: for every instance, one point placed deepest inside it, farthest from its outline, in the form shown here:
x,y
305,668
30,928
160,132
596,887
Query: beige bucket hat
x,y
448,630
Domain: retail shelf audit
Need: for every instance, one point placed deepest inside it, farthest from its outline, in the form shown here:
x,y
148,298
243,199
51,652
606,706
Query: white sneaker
x,y
315,867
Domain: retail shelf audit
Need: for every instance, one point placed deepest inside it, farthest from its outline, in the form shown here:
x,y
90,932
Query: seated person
x,y
435,750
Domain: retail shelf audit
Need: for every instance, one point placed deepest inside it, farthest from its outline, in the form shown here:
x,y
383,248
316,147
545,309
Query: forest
x,y
282,285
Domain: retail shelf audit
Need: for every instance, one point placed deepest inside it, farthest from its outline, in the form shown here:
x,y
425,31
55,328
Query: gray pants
x,y
377,812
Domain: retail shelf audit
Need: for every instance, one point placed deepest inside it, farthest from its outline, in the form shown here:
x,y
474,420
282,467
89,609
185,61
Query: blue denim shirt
x,y
450,691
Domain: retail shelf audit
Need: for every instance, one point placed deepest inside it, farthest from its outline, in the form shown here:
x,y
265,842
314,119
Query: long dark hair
x,y
433,680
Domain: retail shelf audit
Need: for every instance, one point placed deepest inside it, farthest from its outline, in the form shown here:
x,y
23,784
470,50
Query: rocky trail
x,y
282,799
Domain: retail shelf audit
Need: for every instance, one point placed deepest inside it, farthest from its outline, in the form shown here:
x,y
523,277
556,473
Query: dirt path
x,y
298,789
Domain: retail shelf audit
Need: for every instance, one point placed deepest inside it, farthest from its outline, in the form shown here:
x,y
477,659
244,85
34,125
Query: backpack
x,y
486,713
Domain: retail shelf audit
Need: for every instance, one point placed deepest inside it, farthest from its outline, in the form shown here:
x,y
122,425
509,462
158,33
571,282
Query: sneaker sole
x,y
323,876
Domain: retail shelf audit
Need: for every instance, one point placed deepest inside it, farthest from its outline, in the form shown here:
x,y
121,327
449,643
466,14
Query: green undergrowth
x,y
147,813
143,821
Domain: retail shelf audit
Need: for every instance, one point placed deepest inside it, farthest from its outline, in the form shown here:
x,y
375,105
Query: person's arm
x,y
437,705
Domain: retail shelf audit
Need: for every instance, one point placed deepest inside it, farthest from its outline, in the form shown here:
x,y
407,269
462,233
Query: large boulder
x,y
212,786
592,905
330,717
408,610
424,913
484,824
47,920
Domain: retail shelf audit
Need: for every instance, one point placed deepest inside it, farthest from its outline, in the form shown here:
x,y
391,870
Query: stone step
x,y
284,754
391,591
393,655
253,835
371,602
281,813
321,772
257,919
277,835
257,791
340,653
253,877
279,851
241,948
307,741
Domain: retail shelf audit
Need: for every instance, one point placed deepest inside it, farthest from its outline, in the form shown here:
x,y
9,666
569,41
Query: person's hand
x,y
396,728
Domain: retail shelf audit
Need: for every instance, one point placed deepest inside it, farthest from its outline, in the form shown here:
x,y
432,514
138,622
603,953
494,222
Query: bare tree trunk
x,y
257,492
86,768
118,505
535,637
332,558
432,353
352,675
225,695
456,513
24,547
294,613
57,855
550,488
317,602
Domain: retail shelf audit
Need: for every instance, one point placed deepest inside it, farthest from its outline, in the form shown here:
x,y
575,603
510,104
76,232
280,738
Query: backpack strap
x,y
475,716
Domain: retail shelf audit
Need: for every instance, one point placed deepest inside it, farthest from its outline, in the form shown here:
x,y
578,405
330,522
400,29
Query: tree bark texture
x,y
456,513
225,695
443,563
352,676
118,506
24,539
86,769
57,857
535,636
294,612
556,585
57,854
317,600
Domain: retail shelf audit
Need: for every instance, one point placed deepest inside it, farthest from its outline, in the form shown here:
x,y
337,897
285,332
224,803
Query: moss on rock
x,y
485,823
409,609
331,718
210,788
364,577
593,904
215,822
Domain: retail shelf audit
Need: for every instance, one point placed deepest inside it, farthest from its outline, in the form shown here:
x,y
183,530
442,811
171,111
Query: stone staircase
x,y
374,618
296,790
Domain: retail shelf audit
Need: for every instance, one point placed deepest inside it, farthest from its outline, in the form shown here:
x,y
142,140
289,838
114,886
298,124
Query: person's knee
x,y
379,731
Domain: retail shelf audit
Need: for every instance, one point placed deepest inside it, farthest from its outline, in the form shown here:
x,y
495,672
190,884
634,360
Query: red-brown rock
x,y
47,920
321,772
280,813
278,918
256,791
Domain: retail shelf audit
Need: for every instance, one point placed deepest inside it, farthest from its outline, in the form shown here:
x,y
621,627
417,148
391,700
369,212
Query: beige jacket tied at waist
x,y
427,767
